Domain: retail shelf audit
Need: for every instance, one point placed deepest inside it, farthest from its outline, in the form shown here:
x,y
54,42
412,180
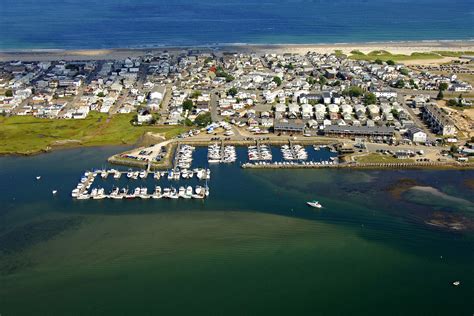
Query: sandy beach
x,y
405,48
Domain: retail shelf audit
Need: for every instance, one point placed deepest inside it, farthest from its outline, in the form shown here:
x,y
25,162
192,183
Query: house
x,y
417,135
289,126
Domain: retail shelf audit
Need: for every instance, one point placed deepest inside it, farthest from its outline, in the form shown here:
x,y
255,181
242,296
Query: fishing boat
x,y
314,204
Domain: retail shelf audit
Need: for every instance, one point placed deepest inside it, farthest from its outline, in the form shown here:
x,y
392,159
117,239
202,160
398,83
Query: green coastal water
x,y
252,248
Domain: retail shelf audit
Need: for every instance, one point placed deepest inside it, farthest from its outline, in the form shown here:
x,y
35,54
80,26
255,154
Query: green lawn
x,y
379,158
26,134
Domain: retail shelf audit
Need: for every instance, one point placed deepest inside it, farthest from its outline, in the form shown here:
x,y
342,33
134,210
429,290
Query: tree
x,y
101,94
232,91
390,62
440,95
443,86
399,84
277,80
188,104
311,80
379,61
188,122
370,98
322,80
9,93
203,119
353,91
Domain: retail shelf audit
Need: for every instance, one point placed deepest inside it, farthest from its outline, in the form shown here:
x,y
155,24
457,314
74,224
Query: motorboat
x,y
314,204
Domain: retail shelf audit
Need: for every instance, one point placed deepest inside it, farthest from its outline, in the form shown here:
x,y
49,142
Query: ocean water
x,y
253,247
28,24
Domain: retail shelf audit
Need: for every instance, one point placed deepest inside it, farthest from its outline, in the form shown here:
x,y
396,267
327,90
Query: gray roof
x,y
384,130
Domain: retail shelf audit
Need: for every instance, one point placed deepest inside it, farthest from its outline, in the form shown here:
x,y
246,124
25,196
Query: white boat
x,y
314,204
189,192
130,174
457,283
181,192
38,177
54,192
117,175
166,192
157,194
143,174
173,194
83,197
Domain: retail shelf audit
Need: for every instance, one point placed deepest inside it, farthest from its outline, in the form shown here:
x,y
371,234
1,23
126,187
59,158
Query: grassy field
x,y
384,55
27,135
378,158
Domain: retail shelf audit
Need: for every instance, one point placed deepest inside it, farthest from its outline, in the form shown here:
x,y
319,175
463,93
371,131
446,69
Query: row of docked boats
x,y
219,154
261,152
294,152
184,156
292,163
84,184
173,174
199,192
104,173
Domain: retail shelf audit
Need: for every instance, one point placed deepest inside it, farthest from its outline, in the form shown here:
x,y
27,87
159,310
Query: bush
x,y
379,61
9,93
390,62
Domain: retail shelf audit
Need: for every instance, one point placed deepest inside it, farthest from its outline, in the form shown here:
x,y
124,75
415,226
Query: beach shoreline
x,y
394,47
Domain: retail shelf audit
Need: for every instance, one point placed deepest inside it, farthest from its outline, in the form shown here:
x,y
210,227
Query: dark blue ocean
x,y
28,24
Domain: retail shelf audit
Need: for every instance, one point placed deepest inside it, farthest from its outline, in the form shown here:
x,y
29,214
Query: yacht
x,y
130,174
314,204
181,192
173,194
38,177
157,194
157,175
117,175
143,174
144,193
166,192
189,192
54,192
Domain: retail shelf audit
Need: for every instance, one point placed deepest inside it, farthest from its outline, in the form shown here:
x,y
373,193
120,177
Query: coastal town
x,y
371,111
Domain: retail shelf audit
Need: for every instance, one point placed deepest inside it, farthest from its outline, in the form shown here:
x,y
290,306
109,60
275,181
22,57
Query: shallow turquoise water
x,y
252,247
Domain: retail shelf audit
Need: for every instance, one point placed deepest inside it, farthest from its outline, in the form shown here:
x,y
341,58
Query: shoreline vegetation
x,y
403,50
26,135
